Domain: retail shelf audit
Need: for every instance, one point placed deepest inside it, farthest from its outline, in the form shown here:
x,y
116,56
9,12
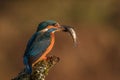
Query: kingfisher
x,y
42,42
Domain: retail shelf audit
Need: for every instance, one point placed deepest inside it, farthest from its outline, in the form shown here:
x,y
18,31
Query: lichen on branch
x,y
40,69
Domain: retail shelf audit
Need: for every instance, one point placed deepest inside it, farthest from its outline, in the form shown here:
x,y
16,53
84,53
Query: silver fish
x,y
72,33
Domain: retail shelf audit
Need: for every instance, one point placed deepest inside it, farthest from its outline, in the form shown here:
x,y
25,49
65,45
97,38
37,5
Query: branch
x,y
40,69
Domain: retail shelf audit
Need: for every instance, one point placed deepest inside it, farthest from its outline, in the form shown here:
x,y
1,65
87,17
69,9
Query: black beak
x,y
71,31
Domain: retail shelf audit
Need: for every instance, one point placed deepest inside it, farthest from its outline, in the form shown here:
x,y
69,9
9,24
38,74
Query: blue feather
x,y
37,45
28,67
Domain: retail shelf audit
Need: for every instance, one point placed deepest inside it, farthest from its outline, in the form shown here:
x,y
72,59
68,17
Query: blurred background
x,y
97,24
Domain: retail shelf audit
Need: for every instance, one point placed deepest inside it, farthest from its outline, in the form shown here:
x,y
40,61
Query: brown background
x,y
97,23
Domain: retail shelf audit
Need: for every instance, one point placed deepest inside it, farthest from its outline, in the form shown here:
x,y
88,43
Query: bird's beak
x,y
71,31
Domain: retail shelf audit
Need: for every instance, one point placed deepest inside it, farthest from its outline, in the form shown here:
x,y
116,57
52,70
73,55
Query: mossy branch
x,y
40,69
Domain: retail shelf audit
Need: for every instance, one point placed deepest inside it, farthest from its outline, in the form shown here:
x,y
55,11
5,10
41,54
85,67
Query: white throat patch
x,y
44,30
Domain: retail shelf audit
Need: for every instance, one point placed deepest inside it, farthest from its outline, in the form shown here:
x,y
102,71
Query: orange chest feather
x,y
51,44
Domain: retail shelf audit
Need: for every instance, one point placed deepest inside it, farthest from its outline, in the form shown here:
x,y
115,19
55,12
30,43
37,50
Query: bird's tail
x,y
28,67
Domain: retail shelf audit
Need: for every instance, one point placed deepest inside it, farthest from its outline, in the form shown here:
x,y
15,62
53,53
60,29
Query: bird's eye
x,y
53,24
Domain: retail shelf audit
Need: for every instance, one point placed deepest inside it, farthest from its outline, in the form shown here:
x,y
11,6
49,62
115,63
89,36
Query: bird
x,y
42,42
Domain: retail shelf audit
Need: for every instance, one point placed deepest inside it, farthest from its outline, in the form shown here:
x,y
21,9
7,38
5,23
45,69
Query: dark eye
x,y
53,24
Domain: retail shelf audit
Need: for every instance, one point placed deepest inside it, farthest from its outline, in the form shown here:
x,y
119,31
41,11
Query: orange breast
x,y
47,50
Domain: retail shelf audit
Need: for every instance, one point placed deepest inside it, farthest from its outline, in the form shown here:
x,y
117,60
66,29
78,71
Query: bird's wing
x,y
26,54
39,46
30,42
36,46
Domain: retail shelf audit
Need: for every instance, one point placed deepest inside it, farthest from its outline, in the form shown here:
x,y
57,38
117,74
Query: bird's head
x,y
52,26
45,24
